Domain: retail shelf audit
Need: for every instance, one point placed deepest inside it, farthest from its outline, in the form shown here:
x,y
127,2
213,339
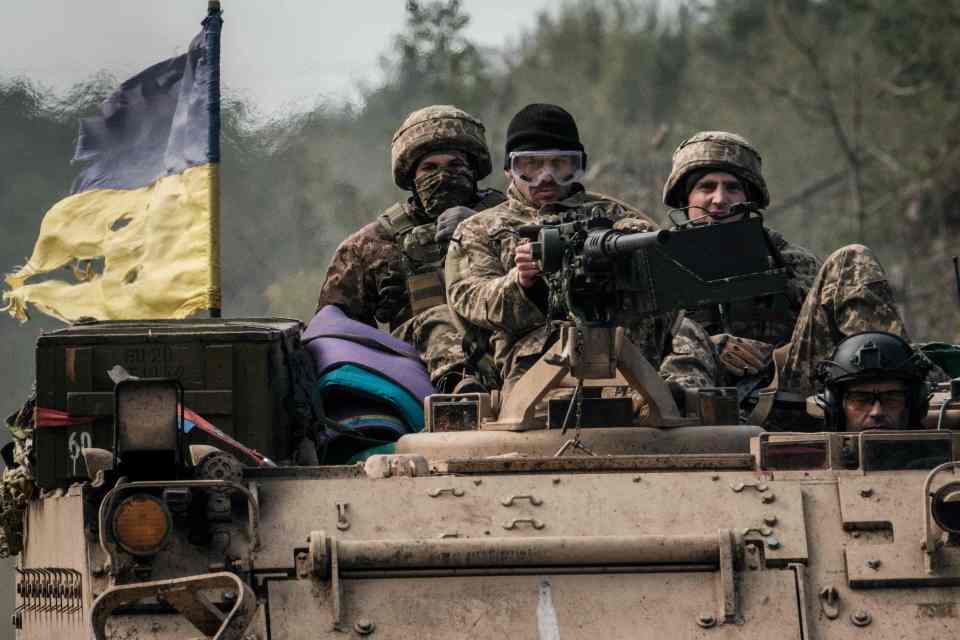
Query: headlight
x,y
141,524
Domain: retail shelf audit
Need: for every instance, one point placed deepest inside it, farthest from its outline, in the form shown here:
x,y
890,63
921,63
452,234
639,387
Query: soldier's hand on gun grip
x,y
527,267
448,220
391,298
741,356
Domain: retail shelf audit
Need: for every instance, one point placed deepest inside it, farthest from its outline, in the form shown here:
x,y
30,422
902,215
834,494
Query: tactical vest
x,y
421,257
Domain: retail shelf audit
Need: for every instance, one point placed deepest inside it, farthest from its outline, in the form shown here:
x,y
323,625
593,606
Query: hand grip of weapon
x,y
529,231
532,232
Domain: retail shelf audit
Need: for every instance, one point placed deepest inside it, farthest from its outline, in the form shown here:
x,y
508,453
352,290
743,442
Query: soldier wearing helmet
x,y
493,281
822,305
391,270
873,380
712,171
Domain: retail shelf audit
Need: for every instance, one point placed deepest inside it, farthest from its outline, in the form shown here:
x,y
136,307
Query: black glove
x,y
391,298
448,220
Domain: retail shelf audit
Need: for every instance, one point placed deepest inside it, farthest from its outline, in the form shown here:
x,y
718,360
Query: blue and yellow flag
x,y
144,206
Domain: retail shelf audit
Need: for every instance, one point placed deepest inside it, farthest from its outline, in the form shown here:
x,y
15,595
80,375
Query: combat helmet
x,y
872,355
437,127
718,150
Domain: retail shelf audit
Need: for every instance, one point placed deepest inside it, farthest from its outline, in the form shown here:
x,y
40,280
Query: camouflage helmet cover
x,y
434,128
718,150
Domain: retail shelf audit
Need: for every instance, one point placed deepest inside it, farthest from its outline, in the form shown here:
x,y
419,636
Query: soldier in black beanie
x,y
536,129
493,281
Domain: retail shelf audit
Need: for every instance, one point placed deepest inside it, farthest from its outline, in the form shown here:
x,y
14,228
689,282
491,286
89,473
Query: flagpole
x,y
212,26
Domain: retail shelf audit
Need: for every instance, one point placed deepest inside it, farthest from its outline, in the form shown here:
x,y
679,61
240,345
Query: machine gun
x,y
602,280
602,276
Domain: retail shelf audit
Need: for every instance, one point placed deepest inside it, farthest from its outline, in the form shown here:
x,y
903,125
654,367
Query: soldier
x,y
823,304
850,295
713,170
873,380
391,270
494,280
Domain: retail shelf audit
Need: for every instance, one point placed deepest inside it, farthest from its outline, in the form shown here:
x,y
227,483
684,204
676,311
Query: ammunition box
x,y
238,374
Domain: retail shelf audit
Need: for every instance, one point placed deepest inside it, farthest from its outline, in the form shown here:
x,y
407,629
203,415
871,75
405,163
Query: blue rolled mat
x,y
353,378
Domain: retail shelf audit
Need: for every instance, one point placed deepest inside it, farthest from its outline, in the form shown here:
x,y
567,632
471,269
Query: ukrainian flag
x,y
144,206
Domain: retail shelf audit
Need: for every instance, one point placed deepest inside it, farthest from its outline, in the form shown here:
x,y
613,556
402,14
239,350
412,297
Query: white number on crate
x,y
78,440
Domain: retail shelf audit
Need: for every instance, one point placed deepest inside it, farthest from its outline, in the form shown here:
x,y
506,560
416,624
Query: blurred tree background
x,y
854,105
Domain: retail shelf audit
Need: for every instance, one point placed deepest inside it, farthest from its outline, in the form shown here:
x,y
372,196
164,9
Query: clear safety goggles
x,y
563,167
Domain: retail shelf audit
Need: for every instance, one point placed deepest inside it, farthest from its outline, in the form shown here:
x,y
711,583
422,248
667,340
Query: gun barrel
x,y
615,243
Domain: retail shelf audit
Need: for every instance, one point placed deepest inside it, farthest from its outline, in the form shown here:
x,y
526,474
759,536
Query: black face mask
x,y
443,188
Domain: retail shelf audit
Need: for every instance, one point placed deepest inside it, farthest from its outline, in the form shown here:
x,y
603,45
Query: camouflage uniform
x,y
399,247
484,287
692,361
850,295
371,255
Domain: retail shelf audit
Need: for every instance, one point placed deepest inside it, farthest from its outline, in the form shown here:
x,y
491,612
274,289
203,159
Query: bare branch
x,y
885,158
901,91
810,190
848,144
808,109
809,52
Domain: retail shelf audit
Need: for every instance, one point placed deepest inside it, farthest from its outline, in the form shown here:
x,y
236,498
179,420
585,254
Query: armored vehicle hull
x,y
681,546
669,528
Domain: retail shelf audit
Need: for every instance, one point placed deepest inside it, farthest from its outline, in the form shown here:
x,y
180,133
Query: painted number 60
x,y
78,441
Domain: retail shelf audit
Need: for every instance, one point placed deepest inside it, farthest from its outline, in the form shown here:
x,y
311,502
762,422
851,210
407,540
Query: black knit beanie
x,y
540,127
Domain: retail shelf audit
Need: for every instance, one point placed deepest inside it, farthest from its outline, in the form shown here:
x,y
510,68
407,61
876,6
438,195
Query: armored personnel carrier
x,y
552,511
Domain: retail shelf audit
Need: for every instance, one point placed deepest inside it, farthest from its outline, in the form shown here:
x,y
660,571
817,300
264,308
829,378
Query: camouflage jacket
x,y
484,289
400,239
772,318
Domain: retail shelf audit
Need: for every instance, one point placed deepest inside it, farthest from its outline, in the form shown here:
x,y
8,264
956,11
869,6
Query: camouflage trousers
x,y
850,295
437,339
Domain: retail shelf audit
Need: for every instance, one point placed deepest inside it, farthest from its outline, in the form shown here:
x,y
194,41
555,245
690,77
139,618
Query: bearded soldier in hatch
x,y
391,270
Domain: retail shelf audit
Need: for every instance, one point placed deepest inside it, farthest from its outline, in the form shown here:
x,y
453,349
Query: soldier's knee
x,y
853,259
847,252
